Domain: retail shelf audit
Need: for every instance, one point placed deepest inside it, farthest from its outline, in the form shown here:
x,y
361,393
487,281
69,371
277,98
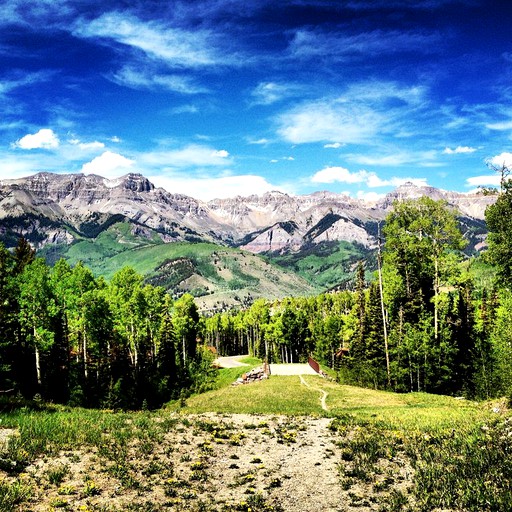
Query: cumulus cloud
x,y
43,139
339,174
459,150
215,187
334,145
222,153
503,159
108,165
370,197
370,179
482,181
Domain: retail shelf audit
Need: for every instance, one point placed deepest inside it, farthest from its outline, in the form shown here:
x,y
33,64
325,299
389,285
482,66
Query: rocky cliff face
x,y
54,207
77,201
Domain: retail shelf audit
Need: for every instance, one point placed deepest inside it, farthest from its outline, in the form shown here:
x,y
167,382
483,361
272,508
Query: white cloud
x,y
321,45
459,150
503,159
500,126
339,174
421,158
370,197
12,167
87,146
343,175
222,153
327,121
216,187
267,93
184,109
334,145
43,139
22,79
136,79
108,165
362,113
177,47
262,141
481,181
396,182
193,155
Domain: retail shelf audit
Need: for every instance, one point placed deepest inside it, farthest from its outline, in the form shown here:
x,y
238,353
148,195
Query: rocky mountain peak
x,y
136,182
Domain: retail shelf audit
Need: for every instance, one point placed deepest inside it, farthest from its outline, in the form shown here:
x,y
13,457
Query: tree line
x,y
419,325
73,338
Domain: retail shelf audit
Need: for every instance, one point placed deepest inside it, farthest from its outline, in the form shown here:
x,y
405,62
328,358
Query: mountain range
x,y
314,238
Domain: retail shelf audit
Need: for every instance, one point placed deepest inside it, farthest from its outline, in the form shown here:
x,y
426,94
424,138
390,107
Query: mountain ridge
x,y
254,223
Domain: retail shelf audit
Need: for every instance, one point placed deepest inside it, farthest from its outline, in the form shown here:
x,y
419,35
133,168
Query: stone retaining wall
x,y
254,375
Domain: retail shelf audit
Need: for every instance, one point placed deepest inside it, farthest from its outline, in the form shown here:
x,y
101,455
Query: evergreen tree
x,y
24,254
8,320
498,217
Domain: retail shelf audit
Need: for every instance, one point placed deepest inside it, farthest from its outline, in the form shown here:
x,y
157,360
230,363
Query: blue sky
x,y
216,98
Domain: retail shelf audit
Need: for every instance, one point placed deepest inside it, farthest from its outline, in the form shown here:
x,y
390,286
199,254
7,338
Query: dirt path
x,y
215,463
229,362
324,393
291,369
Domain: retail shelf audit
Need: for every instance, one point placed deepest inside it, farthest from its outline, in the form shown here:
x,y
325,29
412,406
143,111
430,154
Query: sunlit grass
x,y
407,411
286,395
277,395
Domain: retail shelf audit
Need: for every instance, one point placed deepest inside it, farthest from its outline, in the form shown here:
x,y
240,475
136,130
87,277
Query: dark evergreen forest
x,y
420,324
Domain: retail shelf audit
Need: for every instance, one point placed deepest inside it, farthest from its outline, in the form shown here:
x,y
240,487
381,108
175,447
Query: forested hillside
x,y
420,325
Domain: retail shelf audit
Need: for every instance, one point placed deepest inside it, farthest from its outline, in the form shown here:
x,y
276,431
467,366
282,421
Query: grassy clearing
x,y
285,395
459,452
411,411
277,395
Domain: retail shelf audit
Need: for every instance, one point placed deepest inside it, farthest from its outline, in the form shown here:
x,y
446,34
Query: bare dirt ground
x,y
229,362
211,462
291,369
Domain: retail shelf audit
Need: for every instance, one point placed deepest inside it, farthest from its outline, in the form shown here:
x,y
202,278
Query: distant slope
x,y
217,276
327,264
